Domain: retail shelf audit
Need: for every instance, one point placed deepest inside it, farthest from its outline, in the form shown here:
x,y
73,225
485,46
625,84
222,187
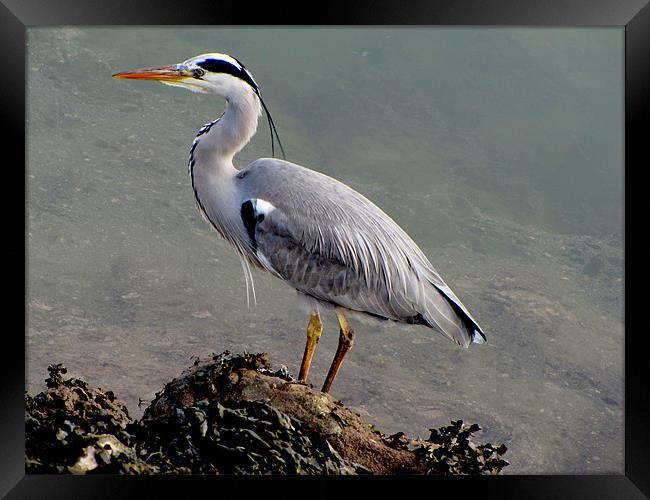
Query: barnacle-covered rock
x,y
229,378
201,422
232,414
245,437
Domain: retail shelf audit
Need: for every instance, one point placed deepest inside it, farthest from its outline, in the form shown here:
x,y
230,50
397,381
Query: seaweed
x,y
451,450
245,437
232,414
75,428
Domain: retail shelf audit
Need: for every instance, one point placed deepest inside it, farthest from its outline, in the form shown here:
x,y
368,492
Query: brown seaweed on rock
x,y
232,414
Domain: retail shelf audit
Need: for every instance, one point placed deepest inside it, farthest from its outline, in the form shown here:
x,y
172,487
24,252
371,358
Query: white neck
x,y
217,147
211,167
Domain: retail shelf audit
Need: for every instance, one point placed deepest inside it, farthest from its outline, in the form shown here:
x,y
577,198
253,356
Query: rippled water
x,y
499,150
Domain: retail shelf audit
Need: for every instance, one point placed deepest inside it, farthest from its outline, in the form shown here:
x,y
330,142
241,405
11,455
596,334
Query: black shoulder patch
x,y
249,219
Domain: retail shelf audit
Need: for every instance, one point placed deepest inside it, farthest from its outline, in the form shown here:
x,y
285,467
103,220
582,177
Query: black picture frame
x,y
18,15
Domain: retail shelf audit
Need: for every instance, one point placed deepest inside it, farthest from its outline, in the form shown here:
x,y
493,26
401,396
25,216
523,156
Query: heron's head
x,y
212,73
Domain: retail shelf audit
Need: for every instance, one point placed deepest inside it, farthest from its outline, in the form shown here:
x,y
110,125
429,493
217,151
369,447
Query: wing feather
x,y
331,242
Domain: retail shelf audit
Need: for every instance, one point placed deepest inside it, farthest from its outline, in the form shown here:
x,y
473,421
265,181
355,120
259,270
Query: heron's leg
x,y
346,339
314,329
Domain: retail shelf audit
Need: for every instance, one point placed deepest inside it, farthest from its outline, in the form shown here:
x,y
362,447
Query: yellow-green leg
x,y
346,340
314,330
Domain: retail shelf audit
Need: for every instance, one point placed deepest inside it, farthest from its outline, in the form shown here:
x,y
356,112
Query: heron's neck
x,y
226,137
210,163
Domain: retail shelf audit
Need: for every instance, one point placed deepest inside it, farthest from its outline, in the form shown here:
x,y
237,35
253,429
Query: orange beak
x,y
160,73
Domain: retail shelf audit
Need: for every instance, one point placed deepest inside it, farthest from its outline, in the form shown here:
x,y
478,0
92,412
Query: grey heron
x,y
329,242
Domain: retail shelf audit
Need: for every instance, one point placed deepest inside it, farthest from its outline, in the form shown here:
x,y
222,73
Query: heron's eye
x,y
198,73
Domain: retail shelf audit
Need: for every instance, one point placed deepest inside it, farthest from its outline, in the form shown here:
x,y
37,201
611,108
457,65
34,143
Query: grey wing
x,y
332,243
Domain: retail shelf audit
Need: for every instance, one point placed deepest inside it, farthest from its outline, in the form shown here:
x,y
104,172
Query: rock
x,y
232,414
74,428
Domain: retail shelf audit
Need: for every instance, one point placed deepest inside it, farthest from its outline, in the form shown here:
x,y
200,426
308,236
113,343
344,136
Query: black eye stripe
x,y
221,66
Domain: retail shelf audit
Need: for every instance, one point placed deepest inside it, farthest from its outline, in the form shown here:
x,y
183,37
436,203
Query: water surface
x,y
499,150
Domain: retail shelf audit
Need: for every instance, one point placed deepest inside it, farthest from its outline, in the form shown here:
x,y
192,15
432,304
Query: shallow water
x,y
499,150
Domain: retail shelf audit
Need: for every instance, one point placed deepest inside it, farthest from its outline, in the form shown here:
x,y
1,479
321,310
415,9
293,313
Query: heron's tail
x,y
446,314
